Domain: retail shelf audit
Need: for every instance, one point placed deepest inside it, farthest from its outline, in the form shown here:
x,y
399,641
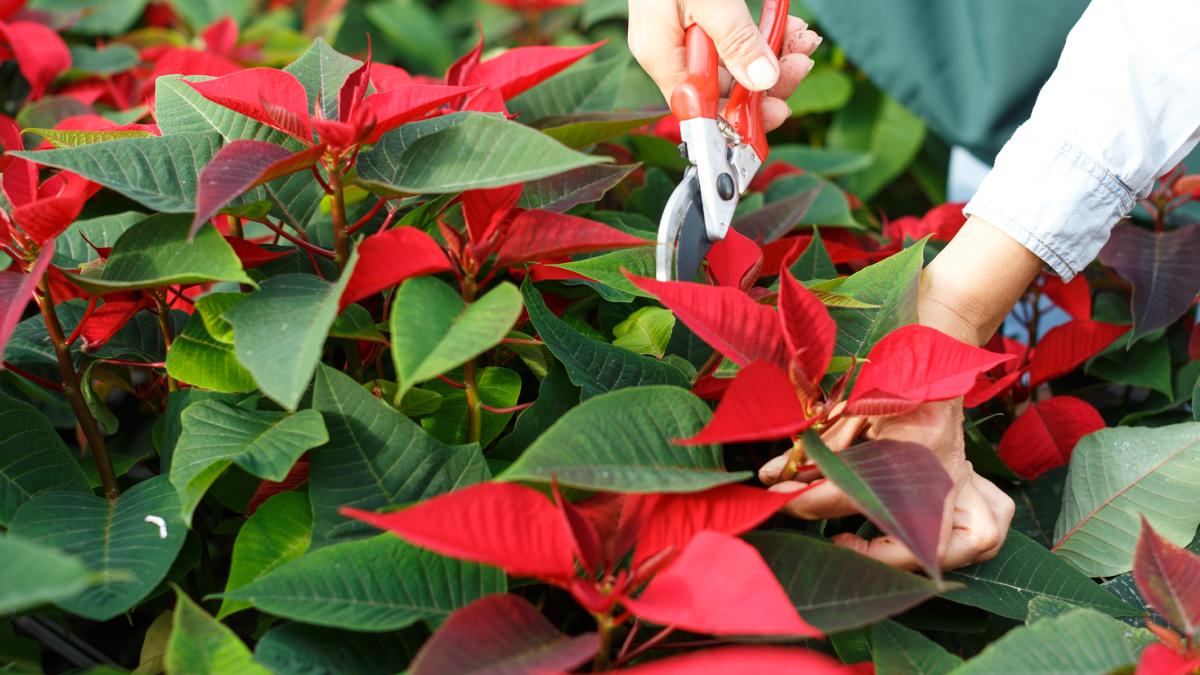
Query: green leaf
x,y
355,323
1079,641
276,534
892,285
71,248
825,88
904,651
821,161
556,396
646,331
156,253
835,588
815,262
199,14
96,17
434,331
375,458
34,575
199,359
323,70
1115,476
585,129
67,138
569,92
609,269
624,441
299,648
113,59
1024,570
579,186
465,151
594,365
279,332
376,584
115,540
33,458
413,29
179,109
498,387
215,435
830,206
159,172
1038,503
212,308
201,645
1146,364
875,123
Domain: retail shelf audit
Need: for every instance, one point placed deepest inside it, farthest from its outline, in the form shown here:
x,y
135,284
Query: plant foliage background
x,y
282,275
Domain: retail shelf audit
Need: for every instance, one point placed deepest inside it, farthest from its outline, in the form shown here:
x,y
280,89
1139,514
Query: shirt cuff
x,y
1053,199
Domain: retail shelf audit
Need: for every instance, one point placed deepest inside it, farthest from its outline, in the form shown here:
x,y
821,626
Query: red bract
x,y
736,261
40,53
102,324
760,404
914,365
1063,348
1075,297
510,73
242,165
389,257
1169,578
16,290
535,5
1159,659
744,661
940,223
44,211
519,530
1043,437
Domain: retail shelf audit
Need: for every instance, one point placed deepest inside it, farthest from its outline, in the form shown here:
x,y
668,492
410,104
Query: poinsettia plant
x,y
335,352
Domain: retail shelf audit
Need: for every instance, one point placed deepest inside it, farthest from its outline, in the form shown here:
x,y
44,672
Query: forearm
x,y
974,282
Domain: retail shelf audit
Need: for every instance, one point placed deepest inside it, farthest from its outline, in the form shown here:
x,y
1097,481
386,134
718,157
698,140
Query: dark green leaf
x,y
33,575
33,458
892,284
904,651
323,70
316,650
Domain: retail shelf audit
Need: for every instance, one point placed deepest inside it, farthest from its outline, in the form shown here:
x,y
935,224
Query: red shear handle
x,y
744,111
699,94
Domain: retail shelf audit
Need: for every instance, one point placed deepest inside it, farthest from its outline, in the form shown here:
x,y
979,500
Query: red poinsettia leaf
x,y
1074,297
537,235
297,476
1162,268
584,533
761,404
10,139
221,36
986,388
770,173
901,487
502,634
409,103
1043,437
16,290
1159,659
252,255
942,222
673,519
914,365
535,5
389,257
485,210
720,584
20,181
743,661
735,261
519,69
40,53
188,61
240,166
506,525
809,330
273,97
58,203
106,320
726,318
1064,347
459,72
1169,578
617,520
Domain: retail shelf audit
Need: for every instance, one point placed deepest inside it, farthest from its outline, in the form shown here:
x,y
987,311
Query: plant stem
x,y
71,389
604,627
648,644
164,324
341,231
474,405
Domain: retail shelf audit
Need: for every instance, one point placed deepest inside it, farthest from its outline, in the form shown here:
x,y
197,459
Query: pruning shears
x,y
725,153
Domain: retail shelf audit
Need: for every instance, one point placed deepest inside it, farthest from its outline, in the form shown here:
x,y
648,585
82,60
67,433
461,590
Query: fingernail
x,y
762,73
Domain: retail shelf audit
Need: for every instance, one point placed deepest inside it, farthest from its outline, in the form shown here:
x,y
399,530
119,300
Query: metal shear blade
x,y
682,236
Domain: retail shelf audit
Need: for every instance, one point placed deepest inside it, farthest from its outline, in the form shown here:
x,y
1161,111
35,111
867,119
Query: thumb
x,y
745,52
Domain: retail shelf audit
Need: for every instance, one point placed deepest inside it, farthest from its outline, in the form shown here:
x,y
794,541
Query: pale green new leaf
x,y
624,441
157,252
465,151
375,458
65,138
33,574
1118,475
279,331
1024,570
199,359
215,435
159,172
646,331
434,331
277,533
129,544
375,584
201,645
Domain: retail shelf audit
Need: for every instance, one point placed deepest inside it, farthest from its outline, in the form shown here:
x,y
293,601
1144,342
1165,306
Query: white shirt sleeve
x,y
1121,109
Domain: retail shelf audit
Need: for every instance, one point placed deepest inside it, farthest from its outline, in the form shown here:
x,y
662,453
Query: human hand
x,y
656,38
978,513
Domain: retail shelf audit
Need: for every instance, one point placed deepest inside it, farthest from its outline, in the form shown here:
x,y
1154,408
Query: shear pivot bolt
x,y
725,186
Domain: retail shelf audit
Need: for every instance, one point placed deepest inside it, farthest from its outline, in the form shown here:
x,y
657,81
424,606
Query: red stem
x,y
135,364
36,379
452,383
311,248
316,172
505,411
358,224
91,307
